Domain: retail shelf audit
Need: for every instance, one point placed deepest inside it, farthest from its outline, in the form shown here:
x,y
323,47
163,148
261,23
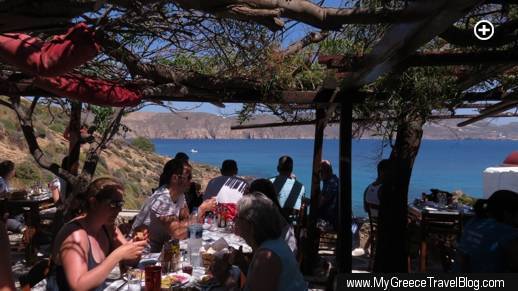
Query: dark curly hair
x,y
172,167
6,167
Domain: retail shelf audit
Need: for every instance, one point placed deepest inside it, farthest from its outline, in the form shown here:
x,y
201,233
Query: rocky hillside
x,y
138,169
198,125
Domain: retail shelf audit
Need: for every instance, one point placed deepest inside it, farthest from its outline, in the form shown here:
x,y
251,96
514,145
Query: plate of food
x,y
206,281
134,274
175,279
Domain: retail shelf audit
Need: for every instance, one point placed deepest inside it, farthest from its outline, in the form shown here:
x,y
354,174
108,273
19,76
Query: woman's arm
x,y
264,271
74,258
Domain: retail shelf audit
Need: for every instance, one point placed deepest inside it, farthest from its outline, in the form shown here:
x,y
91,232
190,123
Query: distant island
x,y
199,125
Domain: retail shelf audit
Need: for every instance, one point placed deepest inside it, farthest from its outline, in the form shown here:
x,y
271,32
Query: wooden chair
x,y
372,212
327,243
300,228
438,227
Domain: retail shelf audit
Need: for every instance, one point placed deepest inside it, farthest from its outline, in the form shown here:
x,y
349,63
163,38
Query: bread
x,y
207,257
139,236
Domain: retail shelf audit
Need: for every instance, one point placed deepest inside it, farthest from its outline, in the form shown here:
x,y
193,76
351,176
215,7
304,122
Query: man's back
x,y
225,184
371,198
290,191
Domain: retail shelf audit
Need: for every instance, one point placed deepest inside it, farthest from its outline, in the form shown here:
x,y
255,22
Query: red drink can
x,y
153,278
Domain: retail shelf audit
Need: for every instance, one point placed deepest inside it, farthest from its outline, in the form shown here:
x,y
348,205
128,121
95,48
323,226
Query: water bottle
x,y
195,238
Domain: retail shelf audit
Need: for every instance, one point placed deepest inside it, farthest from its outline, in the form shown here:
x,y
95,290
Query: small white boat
x,y
194,150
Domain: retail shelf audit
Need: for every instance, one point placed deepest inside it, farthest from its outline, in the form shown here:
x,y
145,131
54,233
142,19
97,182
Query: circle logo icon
x,y
484,30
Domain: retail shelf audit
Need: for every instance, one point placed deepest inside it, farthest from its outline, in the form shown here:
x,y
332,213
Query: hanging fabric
x,y
52,58
88,90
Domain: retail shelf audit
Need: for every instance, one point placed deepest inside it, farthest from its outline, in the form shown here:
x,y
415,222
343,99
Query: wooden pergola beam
x,y
510,101
403,39
470,79
505,33
312,122
491,114
352,62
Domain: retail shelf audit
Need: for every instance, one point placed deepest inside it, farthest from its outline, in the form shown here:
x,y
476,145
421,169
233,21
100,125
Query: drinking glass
x,y
134,277
187,267
230,226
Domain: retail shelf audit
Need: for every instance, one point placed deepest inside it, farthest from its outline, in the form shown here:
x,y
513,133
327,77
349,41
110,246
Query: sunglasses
x,y
115,203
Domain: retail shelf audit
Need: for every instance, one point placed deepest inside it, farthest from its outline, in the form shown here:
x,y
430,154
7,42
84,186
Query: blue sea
x,y
447,165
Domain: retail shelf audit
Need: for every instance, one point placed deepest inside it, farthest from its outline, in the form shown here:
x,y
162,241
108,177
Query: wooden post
x,y
344,242
313,240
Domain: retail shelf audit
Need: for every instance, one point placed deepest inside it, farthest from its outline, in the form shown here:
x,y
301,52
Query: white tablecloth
x,y
212,235
209,236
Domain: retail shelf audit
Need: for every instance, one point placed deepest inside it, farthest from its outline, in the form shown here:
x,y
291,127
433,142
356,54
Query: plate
x,y
205,281
177,279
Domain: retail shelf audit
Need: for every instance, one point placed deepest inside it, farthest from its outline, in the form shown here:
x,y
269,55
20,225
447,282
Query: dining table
x,y
432,218
31,207
211,235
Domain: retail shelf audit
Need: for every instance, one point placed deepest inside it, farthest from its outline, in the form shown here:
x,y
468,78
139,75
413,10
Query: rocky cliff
x,y
197,125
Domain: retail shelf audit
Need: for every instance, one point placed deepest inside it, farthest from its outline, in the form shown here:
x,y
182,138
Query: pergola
x,y
410,28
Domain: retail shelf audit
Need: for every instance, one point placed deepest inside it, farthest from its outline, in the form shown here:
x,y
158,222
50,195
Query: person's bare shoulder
x,y
73,234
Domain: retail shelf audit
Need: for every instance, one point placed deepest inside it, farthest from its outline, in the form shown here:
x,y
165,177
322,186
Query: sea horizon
x,y
444,164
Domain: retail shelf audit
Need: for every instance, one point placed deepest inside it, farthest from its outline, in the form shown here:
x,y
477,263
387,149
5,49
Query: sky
x,y
230,108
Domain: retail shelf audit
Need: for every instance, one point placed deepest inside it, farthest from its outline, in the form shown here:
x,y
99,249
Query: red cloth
x,y
93,91
512,159
227,210
55,57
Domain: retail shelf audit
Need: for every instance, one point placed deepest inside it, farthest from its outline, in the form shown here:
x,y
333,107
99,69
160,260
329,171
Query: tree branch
x,y
110,131
6,104
269,12
33,105
32,142
312,37
178,83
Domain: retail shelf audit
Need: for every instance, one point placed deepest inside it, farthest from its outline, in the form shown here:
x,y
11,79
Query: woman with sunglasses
x,y
90,246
